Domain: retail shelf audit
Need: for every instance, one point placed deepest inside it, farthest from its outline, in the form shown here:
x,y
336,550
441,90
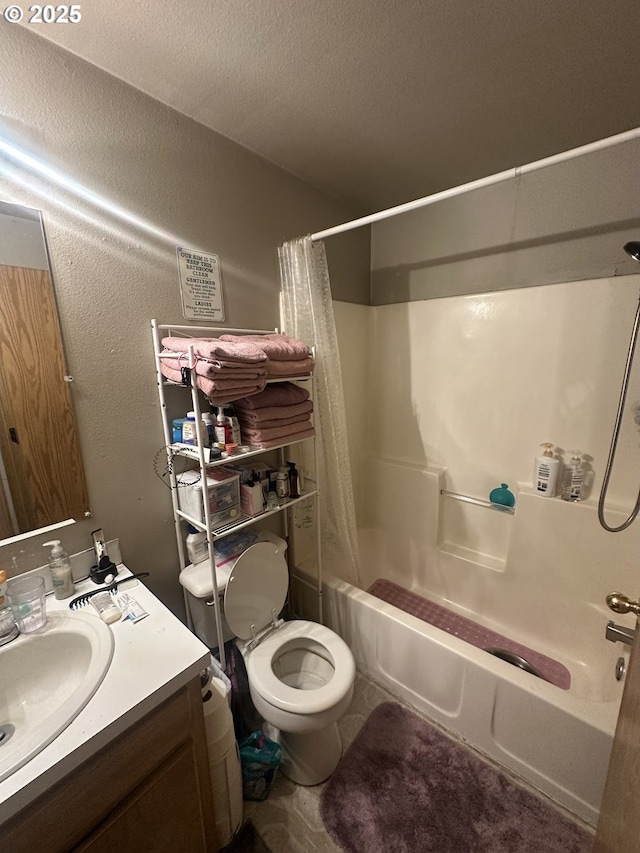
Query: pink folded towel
x,y
225,390
274,422
277,347
299,367
264,434
235,370
274,442
240,349
255,418
276,394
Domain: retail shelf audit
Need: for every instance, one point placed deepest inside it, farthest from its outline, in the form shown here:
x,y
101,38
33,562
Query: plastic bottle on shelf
x,y
293,480
197,544
272,495
282,484
573,478
207,420
546,472
236,436
190,430
222,429
60,568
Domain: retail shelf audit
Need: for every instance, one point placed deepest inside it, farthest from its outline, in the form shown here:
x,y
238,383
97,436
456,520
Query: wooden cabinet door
x,y
161,816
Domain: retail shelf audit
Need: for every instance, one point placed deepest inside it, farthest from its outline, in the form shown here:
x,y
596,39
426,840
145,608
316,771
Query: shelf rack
x,y
198,453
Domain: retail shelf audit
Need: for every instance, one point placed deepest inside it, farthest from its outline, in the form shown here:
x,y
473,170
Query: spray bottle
x,y
60,568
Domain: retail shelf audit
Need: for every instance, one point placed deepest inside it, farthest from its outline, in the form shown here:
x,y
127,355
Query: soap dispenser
x,y
573,478
60,568
547,471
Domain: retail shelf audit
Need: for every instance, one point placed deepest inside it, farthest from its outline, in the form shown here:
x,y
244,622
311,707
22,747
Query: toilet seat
x,y
257,588
263,679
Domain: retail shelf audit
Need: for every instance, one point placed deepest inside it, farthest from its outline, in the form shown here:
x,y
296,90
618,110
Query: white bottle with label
x,y
573,478
546,472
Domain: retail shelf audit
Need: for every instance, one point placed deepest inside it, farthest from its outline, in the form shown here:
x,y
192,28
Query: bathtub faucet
x,y
619,634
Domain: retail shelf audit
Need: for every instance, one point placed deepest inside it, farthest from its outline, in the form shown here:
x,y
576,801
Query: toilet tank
x,y
196,580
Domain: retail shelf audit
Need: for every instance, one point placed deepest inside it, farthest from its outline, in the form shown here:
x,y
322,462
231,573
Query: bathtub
x,y
558,740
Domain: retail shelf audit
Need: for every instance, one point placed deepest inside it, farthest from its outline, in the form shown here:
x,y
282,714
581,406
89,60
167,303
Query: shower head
x,y
633,249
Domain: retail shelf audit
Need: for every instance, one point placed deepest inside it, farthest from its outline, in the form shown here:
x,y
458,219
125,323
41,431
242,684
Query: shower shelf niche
x,y
467,532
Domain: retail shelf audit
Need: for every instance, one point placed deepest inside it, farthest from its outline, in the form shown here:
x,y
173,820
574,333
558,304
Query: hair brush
x,y
82,600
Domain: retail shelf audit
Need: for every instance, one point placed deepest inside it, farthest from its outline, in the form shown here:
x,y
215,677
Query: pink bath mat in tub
x,y
466,629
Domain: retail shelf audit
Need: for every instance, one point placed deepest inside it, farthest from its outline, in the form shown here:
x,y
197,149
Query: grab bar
x,y
477,501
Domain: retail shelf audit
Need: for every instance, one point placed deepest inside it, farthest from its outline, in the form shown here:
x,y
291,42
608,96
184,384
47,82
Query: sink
x,y
47,678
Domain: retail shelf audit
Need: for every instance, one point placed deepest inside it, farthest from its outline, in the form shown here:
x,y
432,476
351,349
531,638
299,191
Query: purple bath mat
x,y
405,787
467,630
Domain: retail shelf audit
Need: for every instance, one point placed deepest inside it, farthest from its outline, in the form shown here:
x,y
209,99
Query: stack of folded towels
x,y
286,356
279,414
234,366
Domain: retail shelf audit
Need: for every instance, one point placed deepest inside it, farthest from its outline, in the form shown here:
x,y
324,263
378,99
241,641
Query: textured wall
x,y
122,180
566,222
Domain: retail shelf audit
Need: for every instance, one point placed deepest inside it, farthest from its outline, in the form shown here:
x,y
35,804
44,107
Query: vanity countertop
x,y
151,660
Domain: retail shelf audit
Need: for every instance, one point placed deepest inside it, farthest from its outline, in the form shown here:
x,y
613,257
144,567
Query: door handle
x,y
620,603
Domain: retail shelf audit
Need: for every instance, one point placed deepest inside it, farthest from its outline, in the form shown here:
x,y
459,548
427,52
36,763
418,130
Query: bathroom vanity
x,y
131,771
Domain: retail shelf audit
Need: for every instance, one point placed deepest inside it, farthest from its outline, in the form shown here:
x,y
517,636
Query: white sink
x,y
46,680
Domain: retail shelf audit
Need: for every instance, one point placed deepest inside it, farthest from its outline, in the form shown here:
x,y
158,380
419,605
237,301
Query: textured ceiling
x,y
375,102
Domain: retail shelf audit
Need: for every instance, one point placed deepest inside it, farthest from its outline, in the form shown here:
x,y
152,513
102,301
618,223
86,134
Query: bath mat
x,y
467,629
405,787
246,840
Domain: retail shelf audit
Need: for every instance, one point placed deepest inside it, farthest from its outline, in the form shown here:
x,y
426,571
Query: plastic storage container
x,y
223,487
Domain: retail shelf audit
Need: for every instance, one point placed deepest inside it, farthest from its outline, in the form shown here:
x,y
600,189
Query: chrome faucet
x,y
619,634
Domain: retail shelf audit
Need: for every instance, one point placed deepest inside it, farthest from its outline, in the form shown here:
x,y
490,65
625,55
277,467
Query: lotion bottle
x,y
573,478
547,471
60,568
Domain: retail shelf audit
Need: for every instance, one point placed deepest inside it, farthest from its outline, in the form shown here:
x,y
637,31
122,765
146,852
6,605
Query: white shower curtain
x,y
307,314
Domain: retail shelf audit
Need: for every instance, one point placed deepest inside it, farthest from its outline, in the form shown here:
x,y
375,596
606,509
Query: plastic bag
x,y
259,758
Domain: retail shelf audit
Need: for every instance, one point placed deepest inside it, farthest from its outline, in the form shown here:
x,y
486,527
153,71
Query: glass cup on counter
x,y
25,597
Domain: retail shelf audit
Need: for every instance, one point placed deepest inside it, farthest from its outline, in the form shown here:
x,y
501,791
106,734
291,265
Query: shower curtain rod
x,y
481,182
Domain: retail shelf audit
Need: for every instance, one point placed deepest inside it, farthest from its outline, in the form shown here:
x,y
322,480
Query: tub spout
x,y
619,634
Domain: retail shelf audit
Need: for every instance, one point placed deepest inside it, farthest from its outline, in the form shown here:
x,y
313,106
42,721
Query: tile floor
x,y
289,819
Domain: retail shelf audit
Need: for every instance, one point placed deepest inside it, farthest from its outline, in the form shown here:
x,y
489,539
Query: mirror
x,y
41,472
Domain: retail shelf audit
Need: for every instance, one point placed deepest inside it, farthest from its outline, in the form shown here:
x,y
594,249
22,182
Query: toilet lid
x,y
257,585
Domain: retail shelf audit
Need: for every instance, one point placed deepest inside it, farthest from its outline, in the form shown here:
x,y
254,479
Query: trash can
x,y
224,760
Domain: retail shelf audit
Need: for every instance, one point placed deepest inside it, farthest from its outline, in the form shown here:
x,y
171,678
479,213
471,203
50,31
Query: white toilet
x,y
301,674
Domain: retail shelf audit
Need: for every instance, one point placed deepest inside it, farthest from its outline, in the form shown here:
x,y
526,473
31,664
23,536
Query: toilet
x,y
301,674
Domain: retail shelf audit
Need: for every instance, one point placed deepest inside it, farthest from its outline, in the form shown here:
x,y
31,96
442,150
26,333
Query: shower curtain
x,y
307,314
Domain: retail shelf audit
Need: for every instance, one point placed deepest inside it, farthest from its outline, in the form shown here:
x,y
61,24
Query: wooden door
x,y
38,434
619,823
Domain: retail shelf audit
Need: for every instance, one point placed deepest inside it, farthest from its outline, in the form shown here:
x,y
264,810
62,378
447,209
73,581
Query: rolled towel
x,y
255,418
299,367
277,347
240,349
206,367
277,394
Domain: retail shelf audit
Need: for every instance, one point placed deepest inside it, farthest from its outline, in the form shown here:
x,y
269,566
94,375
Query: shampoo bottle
x,y
60,568
546,473
573,478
